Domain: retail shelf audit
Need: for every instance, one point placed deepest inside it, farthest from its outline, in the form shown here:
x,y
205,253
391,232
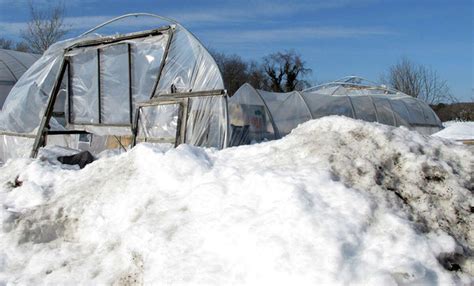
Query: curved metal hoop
x,y
127,16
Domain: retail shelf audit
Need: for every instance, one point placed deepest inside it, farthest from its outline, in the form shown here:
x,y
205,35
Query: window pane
x,y
84,87
114,80
158,123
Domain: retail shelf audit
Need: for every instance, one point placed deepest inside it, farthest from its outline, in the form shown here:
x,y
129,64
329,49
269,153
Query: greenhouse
x,y
98,92
13,65
257,115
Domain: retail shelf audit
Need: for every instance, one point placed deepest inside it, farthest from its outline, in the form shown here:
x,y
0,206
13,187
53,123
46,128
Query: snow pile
x,y
457,130
337,201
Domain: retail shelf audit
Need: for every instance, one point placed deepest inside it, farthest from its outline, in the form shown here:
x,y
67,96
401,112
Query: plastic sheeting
x,y
253,112
20,147
188,66
15,147
115,85
249,118
106,80
206,121
13,65
158,123
287,109
147,54
322,105
364,108
191,69
84,87
26,102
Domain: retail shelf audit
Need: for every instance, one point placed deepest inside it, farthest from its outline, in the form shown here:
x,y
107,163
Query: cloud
x,y
219,17
293,34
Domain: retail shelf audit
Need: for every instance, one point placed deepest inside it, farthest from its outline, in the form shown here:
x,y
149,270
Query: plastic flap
x,y
206,124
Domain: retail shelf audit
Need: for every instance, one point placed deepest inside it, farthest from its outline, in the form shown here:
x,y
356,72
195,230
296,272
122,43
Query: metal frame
x,y
43,129
227,124
130,90
180,134
110,41
275,128
305,103
66,66
99,89
183,100
114,39
163,61
350,81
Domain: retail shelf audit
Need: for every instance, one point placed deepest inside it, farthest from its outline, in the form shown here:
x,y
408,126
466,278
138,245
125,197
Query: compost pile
x,y
336,201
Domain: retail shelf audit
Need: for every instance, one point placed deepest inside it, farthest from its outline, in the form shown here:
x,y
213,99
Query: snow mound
x,y
338,201
457,130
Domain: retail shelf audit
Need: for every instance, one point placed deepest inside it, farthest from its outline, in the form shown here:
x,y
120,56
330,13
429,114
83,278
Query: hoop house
x,y
13,65
257,115
94,92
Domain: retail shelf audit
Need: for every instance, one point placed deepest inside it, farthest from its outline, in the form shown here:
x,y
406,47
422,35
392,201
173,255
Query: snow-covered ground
x,y
457,130
338,201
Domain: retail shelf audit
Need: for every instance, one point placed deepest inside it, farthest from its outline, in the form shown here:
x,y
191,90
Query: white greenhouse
x,y
257,115
98,92
13,65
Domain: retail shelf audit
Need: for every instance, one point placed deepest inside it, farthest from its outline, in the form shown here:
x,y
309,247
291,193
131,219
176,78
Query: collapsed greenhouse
x,y
98,92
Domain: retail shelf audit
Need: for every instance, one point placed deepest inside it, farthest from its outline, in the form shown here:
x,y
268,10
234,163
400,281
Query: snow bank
x,y
338,201
457,130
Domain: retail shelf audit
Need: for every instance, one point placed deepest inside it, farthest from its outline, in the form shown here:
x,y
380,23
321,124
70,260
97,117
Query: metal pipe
x,y
98,86
127,16
40,138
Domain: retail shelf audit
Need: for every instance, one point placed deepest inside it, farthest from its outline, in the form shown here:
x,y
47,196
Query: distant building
x,y
13,65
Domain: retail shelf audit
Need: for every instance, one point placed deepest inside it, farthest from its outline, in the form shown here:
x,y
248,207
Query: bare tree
x,y
22,47
6,44
418,81
256,76
285,71
44,28
12,45
233,69
236,71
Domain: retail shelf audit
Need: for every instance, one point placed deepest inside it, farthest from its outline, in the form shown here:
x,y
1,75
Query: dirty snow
x,y
457,130
338,201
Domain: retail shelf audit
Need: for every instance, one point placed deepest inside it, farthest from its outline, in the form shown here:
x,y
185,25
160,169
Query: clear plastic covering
x,y
253,112
15,147
188,70
106,78
323,105
147,54
206,121
13,65
158,123
84,87
287,110
384,110
121,76
373,102
364,108
249,118
115,85
25,104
